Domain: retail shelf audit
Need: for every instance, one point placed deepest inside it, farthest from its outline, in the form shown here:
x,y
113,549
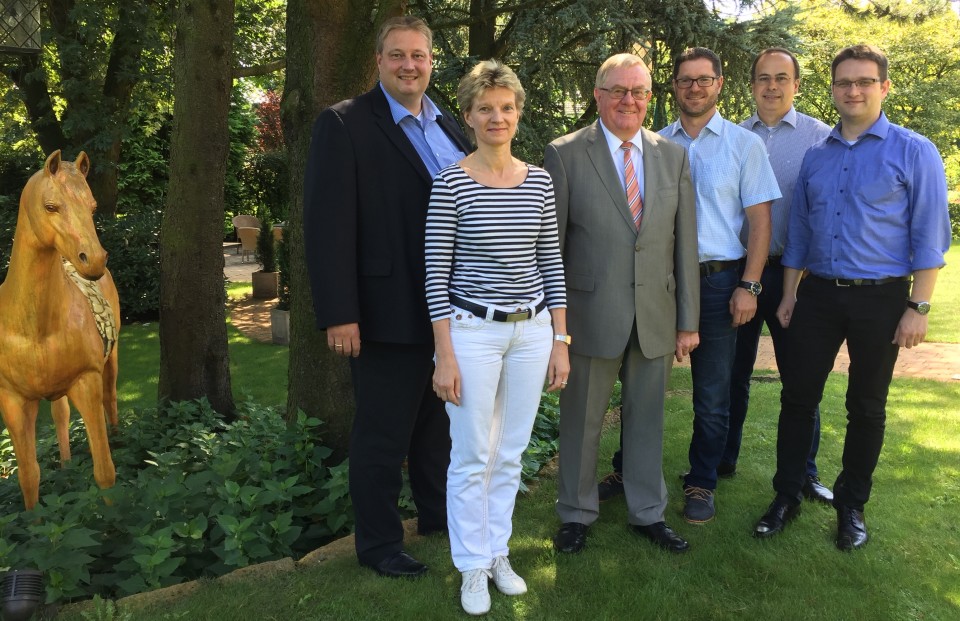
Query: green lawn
x,y
943,326
909,570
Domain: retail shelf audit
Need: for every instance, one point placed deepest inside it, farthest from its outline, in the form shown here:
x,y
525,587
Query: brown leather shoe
x,y
610,486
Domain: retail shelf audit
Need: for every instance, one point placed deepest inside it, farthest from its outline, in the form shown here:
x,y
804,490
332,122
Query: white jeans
x,y
503,366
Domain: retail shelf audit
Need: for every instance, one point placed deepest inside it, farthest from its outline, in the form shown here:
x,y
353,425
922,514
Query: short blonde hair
x,y
618,61
405,22
488,74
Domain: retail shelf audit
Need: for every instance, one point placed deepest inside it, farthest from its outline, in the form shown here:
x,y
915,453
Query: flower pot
x,y
265,285
21,593
280,326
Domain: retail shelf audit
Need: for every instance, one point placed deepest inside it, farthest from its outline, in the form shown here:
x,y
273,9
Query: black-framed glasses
x,y
703,81
618,92
862,83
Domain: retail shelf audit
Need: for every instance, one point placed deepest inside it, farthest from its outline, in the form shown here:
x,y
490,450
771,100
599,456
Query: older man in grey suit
x,y
625,206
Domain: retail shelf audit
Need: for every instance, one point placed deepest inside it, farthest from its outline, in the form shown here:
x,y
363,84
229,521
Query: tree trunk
x,y
330,57
194,361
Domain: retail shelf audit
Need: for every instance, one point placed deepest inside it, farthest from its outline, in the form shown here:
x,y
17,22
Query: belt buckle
x,y
522,314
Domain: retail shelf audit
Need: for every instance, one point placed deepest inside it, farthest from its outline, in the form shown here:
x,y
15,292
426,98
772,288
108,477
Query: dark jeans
x,y
398,417
826,315
748,340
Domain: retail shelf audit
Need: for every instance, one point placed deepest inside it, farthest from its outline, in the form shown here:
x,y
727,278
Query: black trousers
x,y
398,417
826,315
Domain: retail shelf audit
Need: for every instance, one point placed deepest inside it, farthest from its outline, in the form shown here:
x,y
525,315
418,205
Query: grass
x,y
943,326
908,570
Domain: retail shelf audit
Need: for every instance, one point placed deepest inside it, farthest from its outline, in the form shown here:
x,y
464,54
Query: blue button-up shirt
x,y
872,209
786,142
730,172
434,147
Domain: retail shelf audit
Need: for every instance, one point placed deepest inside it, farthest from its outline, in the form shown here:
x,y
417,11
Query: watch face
x,y
923,307
752,286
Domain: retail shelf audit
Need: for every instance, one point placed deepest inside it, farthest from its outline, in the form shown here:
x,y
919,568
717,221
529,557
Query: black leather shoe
x,y
851,529
662,535
725,470
815,490
571,538
399,565
610,486
775,519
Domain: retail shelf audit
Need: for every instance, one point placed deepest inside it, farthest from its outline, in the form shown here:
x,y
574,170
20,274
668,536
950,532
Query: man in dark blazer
x,y
632,296
367,184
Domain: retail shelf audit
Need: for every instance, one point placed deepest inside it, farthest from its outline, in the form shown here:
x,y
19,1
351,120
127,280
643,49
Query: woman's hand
x,y
446,379
559,369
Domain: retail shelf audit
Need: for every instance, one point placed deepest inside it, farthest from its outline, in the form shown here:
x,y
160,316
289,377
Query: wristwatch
x,y
752,286
563,338
921,307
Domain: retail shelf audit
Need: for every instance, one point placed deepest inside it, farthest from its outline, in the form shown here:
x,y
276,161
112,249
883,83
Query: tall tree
x,y
330,57
194,361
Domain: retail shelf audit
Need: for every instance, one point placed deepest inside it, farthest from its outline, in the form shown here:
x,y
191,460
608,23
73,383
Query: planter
x,y
280,326
265,285
21,593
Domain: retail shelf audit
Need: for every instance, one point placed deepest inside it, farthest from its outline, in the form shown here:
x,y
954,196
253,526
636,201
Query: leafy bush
x,y
266,256
133,242
955,218
195,496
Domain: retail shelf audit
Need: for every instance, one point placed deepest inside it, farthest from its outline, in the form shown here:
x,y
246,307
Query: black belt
x,y
521,314
860,282
712,267
774,260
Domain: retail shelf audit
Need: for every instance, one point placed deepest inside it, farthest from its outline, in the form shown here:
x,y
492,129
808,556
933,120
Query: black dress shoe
x,y
399,565
610,486
662,535
851,529
775,519
815,490
571,538
725,470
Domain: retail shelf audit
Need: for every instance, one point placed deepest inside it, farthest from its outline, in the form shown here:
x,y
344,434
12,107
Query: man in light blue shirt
x,y
787,134
869,215
734,184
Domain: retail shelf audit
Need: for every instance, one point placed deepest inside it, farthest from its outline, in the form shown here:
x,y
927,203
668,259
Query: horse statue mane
x,y
59,320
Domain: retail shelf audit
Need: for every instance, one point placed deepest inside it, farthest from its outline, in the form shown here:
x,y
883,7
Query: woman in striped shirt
x,y
497,300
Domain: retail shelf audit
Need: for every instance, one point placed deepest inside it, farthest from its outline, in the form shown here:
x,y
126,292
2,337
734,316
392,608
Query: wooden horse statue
x,y
58,329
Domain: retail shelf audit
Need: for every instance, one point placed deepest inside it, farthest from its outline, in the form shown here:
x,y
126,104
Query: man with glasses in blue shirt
x,y
869,222
787,134
733,183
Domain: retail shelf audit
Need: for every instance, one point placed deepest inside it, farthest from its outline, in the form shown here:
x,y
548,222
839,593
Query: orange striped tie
x,y
633,188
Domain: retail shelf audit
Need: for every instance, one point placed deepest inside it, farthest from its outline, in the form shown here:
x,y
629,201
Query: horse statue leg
x,y
60,409
20,417
86,394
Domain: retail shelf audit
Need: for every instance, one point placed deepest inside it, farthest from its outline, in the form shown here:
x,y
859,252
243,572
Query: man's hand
x,y
686,343
911,330
344,339
743,306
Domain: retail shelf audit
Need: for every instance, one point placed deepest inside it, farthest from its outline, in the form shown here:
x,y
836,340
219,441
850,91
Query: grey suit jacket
x,y
614,273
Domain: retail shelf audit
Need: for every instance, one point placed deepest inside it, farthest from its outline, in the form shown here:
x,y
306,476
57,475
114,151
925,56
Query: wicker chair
x,y
244,220
248,241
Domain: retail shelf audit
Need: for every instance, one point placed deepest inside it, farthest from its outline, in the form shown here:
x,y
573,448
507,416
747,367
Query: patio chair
x,y
244,220
248,241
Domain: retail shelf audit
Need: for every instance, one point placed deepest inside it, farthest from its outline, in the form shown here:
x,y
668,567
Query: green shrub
x,y
195,496
133,243
266,255
955,218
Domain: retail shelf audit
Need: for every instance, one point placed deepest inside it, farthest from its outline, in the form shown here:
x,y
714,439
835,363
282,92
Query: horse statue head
x,y
58,205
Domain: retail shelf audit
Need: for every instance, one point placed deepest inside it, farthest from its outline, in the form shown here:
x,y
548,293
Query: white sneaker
x,y
507,580
474,596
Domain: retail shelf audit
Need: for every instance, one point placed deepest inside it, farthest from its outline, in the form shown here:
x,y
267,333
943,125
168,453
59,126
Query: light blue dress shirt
x,y
786,142
730,172
876,208
434,147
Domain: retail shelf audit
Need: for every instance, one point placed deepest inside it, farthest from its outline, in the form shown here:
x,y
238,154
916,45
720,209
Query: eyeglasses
x,y
862,83
618,92
766,80
703,81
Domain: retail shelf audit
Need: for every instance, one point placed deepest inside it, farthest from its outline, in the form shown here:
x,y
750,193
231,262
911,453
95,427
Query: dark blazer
x,y
365,206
